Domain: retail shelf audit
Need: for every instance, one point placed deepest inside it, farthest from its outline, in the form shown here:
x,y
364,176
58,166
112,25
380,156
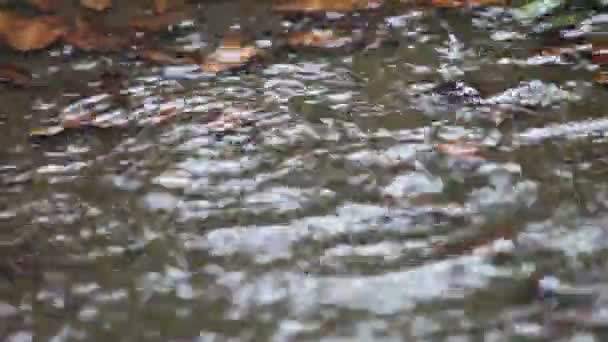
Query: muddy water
x,y
325,211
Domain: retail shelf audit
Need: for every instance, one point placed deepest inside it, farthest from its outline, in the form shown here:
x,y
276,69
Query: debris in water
x,y
14,74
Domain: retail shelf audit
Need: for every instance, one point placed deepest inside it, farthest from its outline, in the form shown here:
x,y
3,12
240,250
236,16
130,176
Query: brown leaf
x,y
326,39
599,56
563,50
30,33
601,77
229,58
231,54
163,57
312,6
97,5
15,74
88,37
159,22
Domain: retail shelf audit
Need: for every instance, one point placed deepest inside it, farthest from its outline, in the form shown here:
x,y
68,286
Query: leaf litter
x,y
233,53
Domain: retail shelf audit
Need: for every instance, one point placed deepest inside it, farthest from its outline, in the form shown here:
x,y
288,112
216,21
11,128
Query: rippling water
x,y
307,200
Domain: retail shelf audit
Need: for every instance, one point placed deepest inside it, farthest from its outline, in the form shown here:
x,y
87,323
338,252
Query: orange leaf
x,y
25,34
97,5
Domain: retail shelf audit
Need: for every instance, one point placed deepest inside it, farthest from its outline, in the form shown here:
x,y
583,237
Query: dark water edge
x,y
331,215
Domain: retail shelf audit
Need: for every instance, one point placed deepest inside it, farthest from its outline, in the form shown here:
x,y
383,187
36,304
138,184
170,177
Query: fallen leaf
x,y
159,22
30,33
601,77
599,56
85,36
46,131
312,6
163,57
231,54
459,149
11,73
564,50
228,58
97,5
326,39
